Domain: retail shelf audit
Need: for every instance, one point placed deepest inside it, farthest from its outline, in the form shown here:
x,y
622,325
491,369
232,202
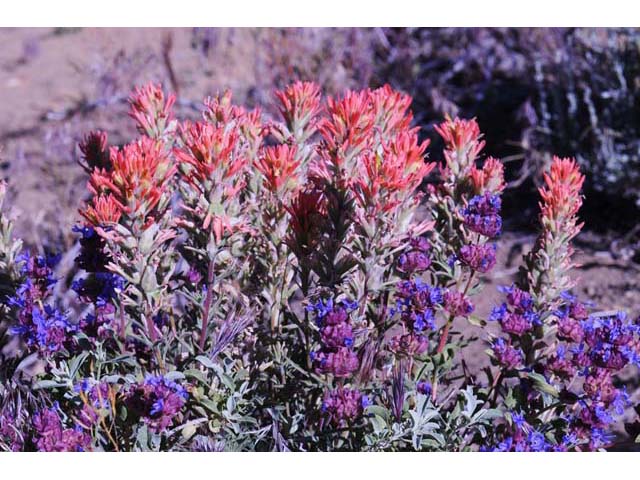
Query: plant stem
x,y
207,305
445,337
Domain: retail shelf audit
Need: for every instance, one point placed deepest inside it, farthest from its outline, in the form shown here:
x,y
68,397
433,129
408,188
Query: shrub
x,y
253,284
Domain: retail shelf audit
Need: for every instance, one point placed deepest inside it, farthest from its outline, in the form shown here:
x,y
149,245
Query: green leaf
x,y
206,361
541,384
198,375
174,375
48,384
76,363
476,320
382,412
378,424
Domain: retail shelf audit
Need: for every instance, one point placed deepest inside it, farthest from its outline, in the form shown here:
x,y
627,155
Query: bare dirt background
x,y
57,84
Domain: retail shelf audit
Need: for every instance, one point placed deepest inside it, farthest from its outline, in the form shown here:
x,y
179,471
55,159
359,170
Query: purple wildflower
x,y
157,401
517,316
424,387
612,340
416,259
100,288
336,336
51,436
10,432
482,215
343,405
96,401
416,303
480,258
506,354
457,304
341,363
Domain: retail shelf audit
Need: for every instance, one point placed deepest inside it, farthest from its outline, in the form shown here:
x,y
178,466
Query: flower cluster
x,y
41,325
343,405
10,434
524,438
478,257
547,265
199,242
337,356
136,186
213,162
299,107
595,347
463,145
482,215
152,110
467,202
98,400
50,435
368,145
417,304
558,338
279,167
506,354
489,179
98,287
415,259
517,315
307,215
157,401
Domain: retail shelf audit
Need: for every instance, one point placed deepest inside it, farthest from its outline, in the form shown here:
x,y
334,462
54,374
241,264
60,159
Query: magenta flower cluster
x,y
40,324
50,435
482,215
157,401
517,315
343,405
416,258
337,356
416,304
479,257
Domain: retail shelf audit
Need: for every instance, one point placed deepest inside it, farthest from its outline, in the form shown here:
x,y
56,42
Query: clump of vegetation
x,y
246,283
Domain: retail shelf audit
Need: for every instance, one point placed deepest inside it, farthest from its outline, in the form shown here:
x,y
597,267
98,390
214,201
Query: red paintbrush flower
x,y
490,178
279,165
140,175
299,107
95,154
462,145
212,153
220,109
549,263
393,175
561,193
223,114
151,110
103,210
391,109
459,133
308,212
349,126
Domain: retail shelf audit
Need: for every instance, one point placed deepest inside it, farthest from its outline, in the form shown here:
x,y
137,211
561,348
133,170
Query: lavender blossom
x,y
482,215
481,258
157,401
51,435
343,405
